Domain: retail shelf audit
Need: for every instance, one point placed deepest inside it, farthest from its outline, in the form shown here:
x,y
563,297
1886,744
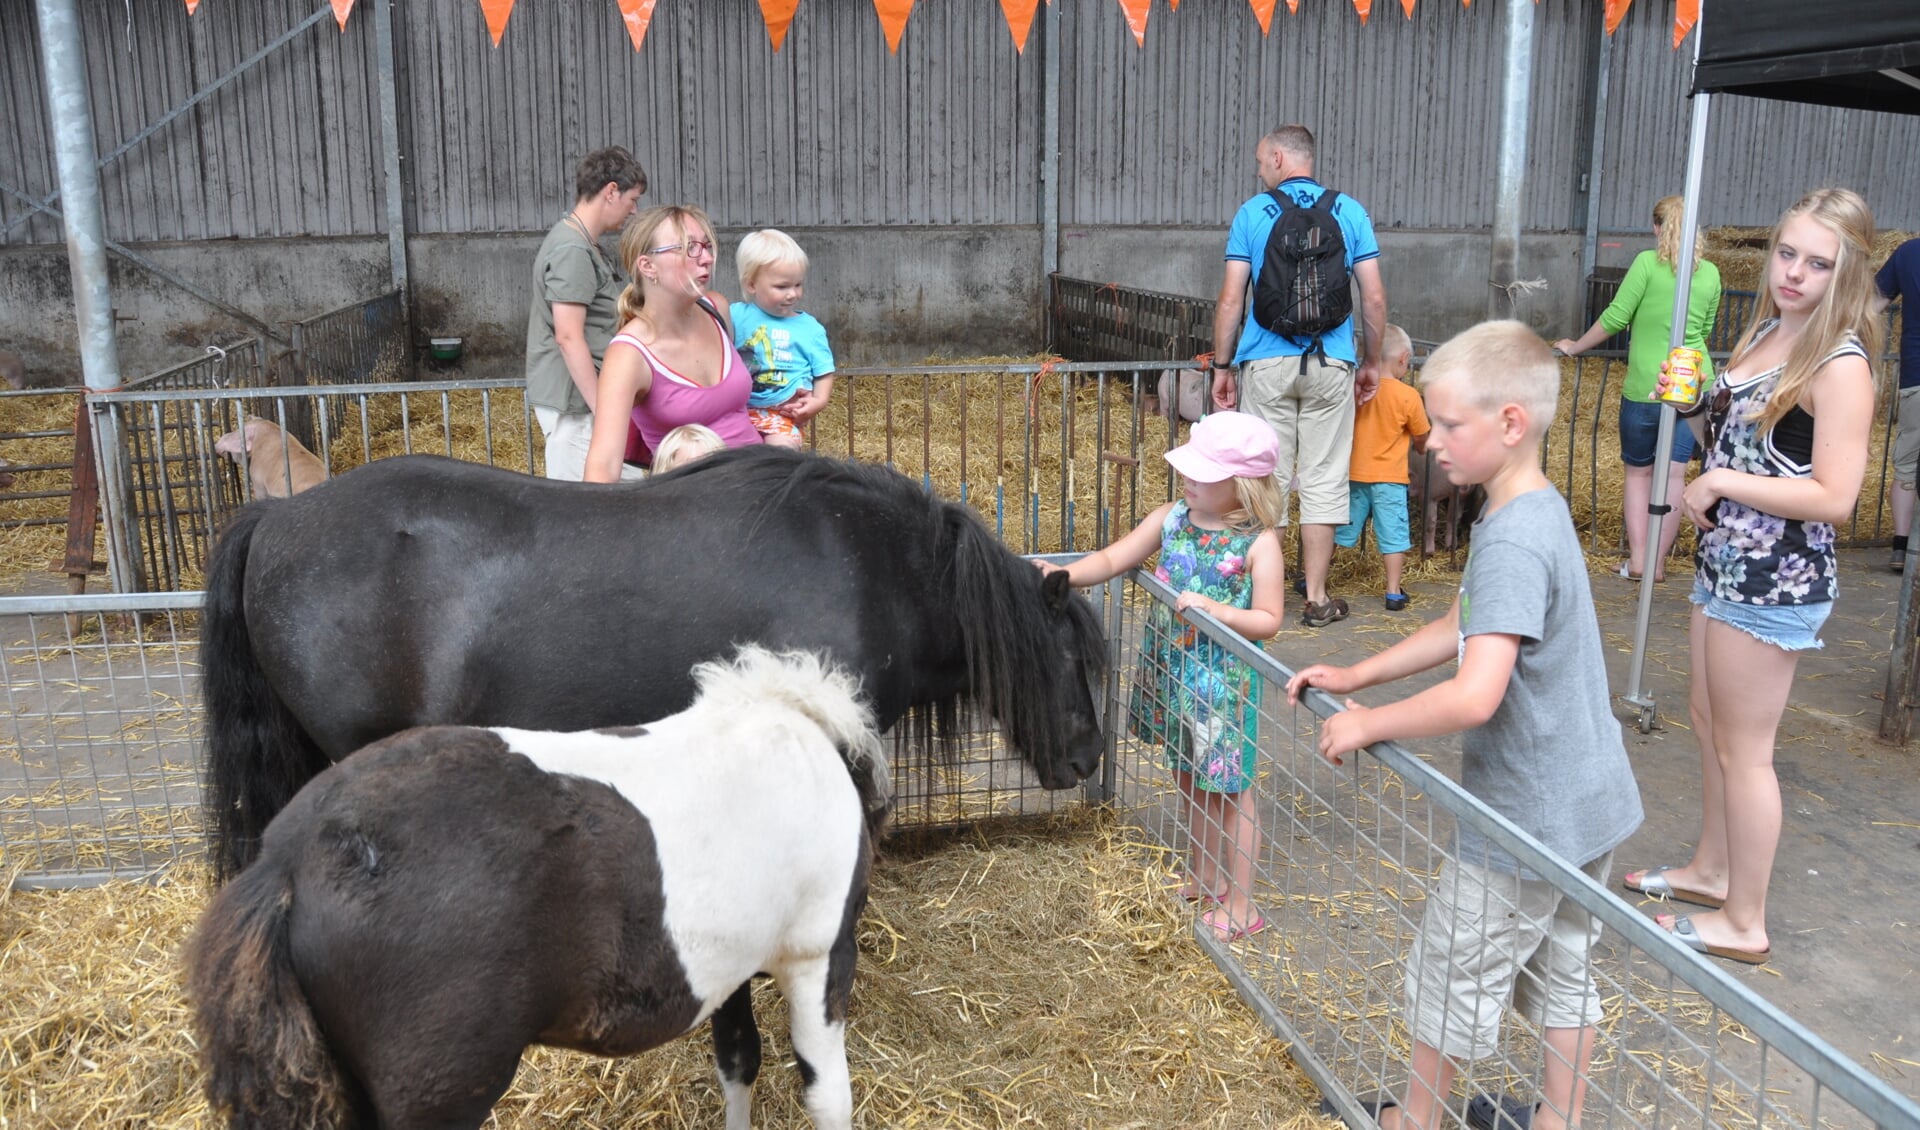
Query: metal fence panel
x,y
99,757
1348,862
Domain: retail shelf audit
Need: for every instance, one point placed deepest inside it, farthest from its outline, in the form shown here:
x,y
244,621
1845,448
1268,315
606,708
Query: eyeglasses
x,y
695,248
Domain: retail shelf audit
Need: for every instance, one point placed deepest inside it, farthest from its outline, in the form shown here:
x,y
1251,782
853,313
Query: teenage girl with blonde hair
x,y
1645,302
1219,552
1787,451
673,361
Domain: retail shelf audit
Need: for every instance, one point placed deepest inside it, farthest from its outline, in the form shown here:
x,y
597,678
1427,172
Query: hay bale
x,y
1035,977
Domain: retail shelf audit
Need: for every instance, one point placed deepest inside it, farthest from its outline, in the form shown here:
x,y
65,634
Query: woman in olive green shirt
x,y
1645,302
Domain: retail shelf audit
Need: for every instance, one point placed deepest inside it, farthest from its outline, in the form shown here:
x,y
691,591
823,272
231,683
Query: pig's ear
x,y
228,444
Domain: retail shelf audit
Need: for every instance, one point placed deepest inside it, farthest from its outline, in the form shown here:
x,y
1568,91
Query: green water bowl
x,y
444,348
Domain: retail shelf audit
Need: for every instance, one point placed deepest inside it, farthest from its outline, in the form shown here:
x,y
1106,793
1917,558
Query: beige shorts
x,y
1491,936
568,437
1906,439
1312,413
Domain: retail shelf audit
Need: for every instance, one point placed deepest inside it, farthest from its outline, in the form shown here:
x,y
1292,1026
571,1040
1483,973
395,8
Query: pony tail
x,y
632,301
266,1062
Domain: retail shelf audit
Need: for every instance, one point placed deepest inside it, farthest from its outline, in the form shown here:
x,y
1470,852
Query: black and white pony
x,y
422,591
427,908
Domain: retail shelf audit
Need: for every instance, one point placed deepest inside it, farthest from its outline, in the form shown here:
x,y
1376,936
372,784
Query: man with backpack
x,y
1303,250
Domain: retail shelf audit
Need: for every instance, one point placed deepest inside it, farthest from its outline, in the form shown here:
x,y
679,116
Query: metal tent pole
x,y
71,112
1516,92
1657,506
1050,145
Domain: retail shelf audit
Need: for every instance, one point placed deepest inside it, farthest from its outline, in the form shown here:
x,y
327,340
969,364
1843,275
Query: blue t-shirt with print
x,y
1247,243
1900,279
785,355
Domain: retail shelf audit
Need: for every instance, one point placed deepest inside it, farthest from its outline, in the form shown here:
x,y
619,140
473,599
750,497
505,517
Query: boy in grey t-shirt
x,y
1540,743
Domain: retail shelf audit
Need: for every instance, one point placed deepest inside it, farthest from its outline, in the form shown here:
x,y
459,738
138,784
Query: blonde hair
x,y
1669,216
1501,363
1263,505
683,445
1395,341
766,248
643,234
1846,310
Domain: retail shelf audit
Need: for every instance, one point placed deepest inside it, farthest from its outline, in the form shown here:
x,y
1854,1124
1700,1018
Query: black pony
x,y
419,591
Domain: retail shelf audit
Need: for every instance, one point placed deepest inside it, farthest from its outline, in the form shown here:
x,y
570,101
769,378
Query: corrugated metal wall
x,y
835,131
1406,111
1761,155
289,148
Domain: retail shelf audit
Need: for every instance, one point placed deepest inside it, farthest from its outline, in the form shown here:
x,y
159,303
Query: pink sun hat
x,y
1227,445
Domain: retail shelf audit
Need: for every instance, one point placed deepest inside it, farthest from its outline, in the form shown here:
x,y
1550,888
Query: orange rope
x,y
1047,368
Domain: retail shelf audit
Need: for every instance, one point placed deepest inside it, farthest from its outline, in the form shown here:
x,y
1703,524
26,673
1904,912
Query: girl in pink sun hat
x,y
1192,697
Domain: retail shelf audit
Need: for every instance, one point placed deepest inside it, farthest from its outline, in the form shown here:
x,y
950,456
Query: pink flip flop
x,y
1234,933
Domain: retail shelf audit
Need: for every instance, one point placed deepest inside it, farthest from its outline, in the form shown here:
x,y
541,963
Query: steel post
x,y
1516,93
1050,42
395,185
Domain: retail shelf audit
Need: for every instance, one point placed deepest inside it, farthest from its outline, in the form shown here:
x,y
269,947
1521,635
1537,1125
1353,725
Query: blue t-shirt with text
x,y
785,355
1247,243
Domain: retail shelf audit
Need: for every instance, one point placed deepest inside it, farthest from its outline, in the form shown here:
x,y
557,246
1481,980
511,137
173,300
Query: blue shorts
x,y
1640,430
1387,502
1789,627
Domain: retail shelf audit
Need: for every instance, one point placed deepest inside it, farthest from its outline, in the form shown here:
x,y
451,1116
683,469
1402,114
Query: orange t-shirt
x,y
1382,428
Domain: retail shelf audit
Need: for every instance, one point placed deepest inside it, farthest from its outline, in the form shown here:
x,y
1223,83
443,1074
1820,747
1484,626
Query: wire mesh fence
x,y
100,749
1346,864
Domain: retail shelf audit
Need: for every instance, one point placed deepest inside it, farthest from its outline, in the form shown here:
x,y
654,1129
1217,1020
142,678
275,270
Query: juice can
x,y
1684,366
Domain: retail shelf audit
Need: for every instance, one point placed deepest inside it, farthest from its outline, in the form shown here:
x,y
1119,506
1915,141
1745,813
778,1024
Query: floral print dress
x,y
1190,695
1750,556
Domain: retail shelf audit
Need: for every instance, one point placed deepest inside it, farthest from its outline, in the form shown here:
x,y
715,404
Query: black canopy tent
x,y
1861,54
1857,54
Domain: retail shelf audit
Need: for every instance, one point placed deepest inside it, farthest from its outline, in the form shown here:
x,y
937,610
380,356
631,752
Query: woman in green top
x,y
1645,302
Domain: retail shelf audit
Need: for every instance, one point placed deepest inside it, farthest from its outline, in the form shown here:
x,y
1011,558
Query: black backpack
x,y
1304,288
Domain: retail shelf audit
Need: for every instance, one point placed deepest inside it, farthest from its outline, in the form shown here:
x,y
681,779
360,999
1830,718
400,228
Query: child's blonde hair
x,y
1395,342
765,248
683,445
646,232
1263,505
1500,363
1845,310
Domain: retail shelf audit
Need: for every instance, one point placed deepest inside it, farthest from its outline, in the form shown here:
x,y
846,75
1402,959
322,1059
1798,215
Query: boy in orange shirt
x,y
1383,428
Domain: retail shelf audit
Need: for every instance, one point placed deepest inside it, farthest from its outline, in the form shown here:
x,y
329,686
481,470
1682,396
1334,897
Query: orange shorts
x,y
774,421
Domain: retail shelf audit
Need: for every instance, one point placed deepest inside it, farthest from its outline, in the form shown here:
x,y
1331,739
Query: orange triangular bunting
x,y
192,5
1263,11
893,20
779,17
1407,6
1616,11
497,12
1173,5
1685,14
1136,11
1293,7
637,14
1019,15
1365,8
340,10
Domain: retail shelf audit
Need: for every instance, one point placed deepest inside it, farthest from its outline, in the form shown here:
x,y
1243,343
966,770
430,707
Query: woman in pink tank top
x,y
673,361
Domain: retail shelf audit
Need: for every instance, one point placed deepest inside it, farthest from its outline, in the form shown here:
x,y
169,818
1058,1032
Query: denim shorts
x,y
1789,627
1386,504
1640,430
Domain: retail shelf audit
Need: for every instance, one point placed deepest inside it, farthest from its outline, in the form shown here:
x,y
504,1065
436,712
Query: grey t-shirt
x,y
1551,758
568,269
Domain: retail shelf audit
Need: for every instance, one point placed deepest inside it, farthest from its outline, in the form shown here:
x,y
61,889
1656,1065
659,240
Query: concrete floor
x,y
1844,908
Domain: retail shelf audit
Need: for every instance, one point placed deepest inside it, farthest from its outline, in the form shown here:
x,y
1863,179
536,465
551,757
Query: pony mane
x,y
994,595
826,695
